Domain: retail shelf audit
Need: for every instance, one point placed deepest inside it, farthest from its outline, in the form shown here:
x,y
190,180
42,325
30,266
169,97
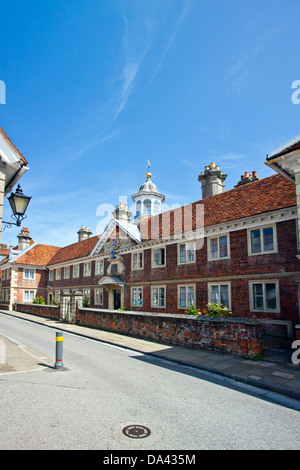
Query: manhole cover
x,y
136,431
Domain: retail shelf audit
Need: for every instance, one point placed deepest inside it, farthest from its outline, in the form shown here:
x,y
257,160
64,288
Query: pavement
x,y
274,377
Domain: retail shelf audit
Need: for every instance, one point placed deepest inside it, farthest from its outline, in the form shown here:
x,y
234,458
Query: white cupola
x,y
147,200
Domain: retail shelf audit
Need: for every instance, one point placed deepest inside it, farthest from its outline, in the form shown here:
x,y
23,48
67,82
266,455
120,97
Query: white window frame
x,y
58,274
152,257
51,274
87,269
99,266
186,244
264,283
137,289
29,291
57,295
186,286
67,272
75,270
213,237
29,277
158,296
87,294
98,296
263,251
140,260
219,284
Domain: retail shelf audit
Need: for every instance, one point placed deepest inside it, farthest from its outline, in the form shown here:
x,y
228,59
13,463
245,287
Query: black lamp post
x,y
18,203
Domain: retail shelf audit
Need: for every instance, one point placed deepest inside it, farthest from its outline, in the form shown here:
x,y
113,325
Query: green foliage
x,y
213,310
39,300
193,310
217,310
86,302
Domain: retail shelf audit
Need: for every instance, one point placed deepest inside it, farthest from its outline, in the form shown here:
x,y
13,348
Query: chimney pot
x,y
84,233
212,180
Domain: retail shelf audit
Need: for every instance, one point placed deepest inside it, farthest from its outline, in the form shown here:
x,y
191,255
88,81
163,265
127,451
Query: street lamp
x,y
18,203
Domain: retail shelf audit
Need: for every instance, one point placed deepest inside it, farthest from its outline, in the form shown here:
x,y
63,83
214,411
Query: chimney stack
x,y
122,212
247,178
212,181
24,239
84,233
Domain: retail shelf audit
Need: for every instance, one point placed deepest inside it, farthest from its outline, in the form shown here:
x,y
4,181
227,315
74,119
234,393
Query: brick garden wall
x,y
47,311
232,336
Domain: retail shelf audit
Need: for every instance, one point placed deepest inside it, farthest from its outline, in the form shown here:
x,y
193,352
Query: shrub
x,y
193,310
85,302
39,300
217,310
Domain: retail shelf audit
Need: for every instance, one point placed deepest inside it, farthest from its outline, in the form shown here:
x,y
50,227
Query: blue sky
x,y
95,88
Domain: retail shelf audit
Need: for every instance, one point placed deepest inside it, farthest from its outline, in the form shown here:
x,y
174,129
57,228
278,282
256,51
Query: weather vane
x,y
148,165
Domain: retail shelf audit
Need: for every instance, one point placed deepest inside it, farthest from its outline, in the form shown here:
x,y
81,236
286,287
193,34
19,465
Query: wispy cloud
x,y
186,8
240,71
149,32
140,38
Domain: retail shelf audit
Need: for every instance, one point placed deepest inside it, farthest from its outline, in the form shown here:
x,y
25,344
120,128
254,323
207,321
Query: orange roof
x,y
12,146
265,195
39,255
76,250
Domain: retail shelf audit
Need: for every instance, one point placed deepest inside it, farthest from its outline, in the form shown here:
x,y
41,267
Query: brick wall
x,y
232,336
47,311
282,266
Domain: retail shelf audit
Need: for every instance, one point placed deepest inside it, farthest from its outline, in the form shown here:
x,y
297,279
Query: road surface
x,y
103,389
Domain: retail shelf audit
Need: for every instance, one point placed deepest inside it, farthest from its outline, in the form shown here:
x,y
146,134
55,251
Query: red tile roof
x,y
74,251
265,195
39,255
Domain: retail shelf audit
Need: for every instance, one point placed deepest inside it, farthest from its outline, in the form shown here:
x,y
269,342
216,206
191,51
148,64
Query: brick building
x,y
24,272
237,247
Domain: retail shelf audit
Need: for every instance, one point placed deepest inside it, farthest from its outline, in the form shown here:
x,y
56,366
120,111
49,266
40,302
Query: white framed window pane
x,y
155,296
191,252
161,297
140,260
258,298
270,293
223,246
159,257
156,257
182,252
224,295
190,296
134,261
214,248
214,294
255,241
133,297
268,239
182,297
140,296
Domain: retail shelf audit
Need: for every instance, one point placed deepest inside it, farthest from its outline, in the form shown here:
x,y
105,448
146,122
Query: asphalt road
x,y
103,389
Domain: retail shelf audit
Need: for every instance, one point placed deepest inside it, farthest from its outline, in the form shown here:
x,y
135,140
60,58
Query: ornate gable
x,y
116,236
